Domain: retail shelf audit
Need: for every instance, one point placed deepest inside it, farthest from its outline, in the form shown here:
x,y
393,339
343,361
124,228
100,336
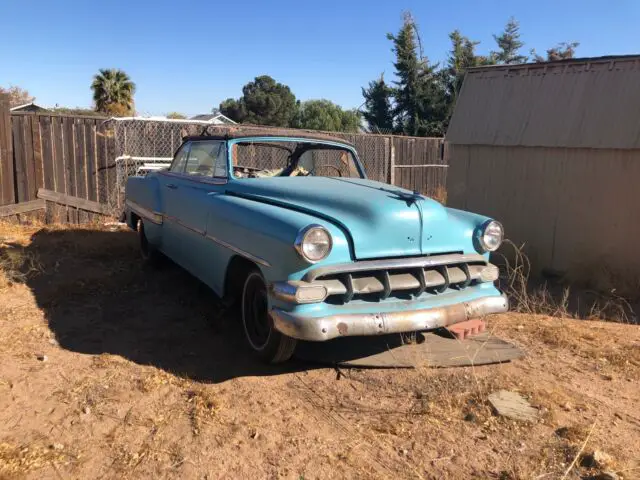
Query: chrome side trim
x,y
239,251
326,328
177,221
153,217
394,263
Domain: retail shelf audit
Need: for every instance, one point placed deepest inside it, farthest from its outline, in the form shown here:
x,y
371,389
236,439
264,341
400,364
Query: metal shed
x,y
553,151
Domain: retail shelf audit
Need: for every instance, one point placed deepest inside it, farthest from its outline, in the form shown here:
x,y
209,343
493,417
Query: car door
x,y
169,185
188,194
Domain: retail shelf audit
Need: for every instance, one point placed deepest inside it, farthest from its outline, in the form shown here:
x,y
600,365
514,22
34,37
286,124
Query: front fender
x,y
268,232
468,224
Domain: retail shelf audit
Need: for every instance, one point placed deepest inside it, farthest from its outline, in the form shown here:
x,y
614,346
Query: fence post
x,y
7,191
392,162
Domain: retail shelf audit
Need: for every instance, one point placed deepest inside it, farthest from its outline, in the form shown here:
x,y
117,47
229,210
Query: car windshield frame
x,y
293,140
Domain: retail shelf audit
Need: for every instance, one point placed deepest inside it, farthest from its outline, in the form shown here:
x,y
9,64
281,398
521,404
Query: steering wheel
x,y
330,166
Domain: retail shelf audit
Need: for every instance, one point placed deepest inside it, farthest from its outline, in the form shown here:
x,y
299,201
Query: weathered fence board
x,y
48,157
24,207
19,162
7,192
75,202
420,164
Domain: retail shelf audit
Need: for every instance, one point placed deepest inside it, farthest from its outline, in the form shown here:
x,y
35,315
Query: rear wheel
x,y
149,255
268,343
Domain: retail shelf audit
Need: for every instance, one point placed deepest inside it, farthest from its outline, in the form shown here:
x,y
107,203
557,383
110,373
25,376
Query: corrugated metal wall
x,y
594,104
552,150
576,209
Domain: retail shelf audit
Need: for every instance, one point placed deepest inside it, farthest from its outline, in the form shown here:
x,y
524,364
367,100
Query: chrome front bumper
x,y
326,328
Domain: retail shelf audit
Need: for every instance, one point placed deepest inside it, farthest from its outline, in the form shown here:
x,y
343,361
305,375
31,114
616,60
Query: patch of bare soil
x,y
108,370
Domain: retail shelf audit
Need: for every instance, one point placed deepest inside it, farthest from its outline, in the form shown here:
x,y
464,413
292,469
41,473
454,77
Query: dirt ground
x,y
110,370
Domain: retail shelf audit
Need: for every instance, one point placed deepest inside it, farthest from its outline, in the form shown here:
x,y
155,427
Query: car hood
x,y
381,220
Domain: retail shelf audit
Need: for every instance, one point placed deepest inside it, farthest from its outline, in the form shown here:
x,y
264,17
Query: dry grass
x,y
561,301
16,265
202,408
108,402
18,460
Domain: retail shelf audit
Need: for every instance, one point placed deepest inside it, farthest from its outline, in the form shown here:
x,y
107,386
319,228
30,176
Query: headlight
x,y
491,236
313,243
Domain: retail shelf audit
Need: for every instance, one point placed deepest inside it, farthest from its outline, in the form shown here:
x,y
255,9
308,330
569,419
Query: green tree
x,y
176,115
462,56
113,92
234,109
509,44
419,97
17,96
325,115
378,110
562,51
264,102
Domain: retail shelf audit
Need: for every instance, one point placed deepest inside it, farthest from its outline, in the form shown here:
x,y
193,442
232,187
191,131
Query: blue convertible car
x,y
289,225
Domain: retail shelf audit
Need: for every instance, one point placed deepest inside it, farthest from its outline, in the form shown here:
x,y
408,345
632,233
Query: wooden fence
x,y
69,161
415,163
7,194
70,155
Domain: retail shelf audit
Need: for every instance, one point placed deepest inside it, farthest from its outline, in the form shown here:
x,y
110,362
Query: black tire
x,y
150,256
269,345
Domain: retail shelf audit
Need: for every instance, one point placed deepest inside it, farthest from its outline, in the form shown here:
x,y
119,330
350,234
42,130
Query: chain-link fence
x,y
143,145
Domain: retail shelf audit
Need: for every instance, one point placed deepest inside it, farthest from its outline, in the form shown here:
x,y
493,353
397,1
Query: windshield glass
x,y
257,159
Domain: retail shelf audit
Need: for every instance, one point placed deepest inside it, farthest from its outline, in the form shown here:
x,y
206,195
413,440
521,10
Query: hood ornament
x,y
410,198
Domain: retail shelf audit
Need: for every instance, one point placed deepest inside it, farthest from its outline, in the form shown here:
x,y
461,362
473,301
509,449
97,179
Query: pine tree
x,y
461,57
509,44
377,102
562,51
419,101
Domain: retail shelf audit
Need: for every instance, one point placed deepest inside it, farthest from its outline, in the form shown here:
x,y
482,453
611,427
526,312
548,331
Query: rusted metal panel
x,y
582,104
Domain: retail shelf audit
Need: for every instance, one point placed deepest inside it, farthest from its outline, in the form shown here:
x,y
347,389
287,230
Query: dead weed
x,y
202,407
561,301
20,459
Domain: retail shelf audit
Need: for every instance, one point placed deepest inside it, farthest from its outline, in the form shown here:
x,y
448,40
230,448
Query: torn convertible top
x,y
247,131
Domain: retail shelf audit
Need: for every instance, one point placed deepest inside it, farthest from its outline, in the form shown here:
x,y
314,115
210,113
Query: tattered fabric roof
x,y
581,103
241,131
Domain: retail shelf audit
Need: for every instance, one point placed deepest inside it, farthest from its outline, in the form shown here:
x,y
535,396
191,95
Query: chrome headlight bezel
x,y
302,236
482,232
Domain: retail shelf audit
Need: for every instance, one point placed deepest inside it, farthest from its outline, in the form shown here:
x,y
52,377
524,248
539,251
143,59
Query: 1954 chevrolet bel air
x,y
289,225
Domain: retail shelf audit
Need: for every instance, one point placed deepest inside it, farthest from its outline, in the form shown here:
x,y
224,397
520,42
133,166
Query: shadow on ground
x,y
98,298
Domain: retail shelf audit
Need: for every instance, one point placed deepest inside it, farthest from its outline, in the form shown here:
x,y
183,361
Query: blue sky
x,y
187,56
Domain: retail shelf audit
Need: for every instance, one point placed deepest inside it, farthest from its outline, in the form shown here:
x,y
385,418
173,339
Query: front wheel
x,y
268,343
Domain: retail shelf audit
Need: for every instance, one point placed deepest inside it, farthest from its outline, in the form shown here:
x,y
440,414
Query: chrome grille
x,y
395,277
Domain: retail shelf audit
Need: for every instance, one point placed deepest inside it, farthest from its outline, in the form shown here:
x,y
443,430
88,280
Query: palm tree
x,y
113,92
